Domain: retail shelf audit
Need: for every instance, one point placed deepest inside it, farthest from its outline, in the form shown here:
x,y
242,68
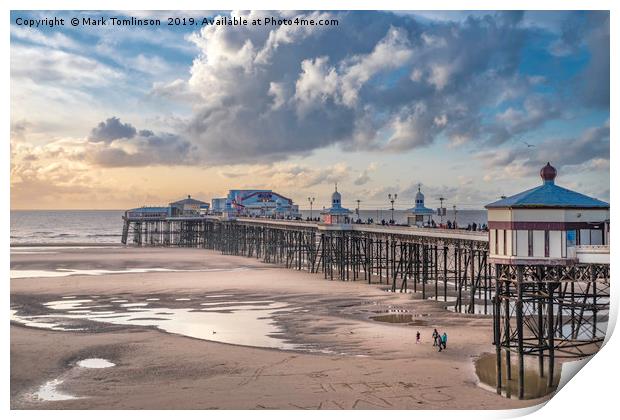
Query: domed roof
x,y
549,195
419,196
336,194
548,173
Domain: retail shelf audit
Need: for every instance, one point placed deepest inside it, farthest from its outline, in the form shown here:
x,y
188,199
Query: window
x,y
530,243
571,238
505,253
546,243
496,241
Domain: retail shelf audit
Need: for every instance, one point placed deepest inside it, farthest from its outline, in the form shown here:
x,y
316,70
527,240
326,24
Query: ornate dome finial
x,y
548,173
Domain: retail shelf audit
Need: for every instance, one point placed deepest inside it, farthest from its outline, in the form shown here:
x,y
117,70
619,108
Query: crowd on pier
x,y
474,227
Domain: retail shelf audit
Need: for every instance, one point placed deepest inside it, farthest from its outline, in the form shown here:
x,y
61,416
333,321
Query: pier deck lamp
x,y
392,199
311,201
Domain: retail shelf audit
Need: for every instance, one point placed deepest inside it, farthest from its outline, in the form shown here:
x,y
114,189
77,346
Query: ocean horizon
x,y
57,227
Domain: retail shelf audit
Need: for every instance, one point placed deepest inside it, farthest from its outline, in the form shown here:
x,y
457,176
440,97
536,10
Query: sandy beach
x,y
296,341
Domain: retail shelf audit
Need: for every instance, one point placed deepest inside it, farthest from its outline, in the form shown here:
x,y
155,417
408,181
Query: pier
x,y
546,312
541,271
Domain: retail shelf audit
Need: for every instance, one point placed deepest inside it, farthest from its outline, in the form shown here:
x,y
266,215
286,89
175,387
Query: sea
x,y
57,227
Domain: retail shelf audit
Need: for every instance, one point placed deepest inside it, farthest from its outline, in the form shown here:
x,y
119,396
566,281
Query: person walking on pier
x,y
417,337
435,337
444,340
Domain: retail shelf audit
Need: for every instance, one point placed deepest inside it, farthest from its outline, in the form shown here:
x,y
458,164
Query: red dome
x,y
548,173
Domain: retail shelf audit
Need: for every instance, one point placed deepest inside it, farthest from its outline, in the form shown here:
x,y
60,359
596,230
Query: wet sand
x,y
340,358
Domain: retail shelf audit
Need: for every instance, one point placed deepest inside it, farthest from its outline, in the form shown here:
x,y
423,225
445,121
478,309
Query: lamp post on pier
x,y
392,199
441,211
311,201
454,210
357,210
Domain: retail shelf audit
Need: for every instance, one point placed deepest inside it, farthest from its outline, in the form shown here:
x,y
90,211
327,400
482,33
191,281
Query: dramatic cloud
x,y
116,144
297,108
396,84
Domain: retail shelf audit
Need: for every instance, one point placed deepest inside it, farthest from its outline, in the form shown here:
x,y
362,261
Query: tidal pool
x,y
394,318
49,392
95,363
535,384
479,308
249,323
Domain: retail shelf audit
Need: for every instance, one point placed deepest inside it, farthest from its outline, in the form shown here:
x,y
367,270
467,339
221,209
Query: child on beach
x,y
444,340
435,337
417,337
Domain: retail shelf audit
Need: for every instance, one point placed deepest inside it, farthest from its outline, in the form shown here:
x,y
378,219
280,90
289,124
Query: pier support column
x,y
551,335
497,336
507,329
541,328
519,316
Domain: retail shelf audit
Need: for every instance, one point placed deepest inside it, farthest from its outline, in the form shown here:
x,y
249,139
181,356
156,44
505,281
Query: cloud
x,y
364,176
116,144
397,84
588,151
593,82
49,66
112,129
53,40
414,128
165,149
377,81
289,174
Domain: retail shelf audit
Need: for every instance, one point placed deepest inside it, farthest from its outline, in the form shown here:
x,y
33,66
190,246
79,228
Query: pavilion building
x,y
188,207
548,225
336,214
420,215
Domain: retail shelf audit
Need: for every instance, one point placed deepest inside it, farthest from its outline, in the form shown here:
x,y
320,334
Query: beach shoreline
x,y
355,362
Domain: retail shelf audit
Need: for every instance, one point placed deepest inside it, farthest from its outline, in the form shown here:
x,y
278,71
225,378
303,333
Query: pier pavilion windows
x,y
547,243
571,238
522,242
555,244
505,248
590,237
539,243
530,243
596,237
563,244
500,242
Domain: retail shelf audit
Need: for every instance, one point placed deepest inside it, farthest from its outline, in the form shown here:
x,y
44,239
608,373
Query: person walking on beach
x,y
417,337
435,337
439,342
444,340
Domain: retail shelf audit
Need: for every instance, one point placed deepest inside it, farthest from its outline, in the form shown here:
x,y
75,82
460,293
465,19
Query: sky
x,y
469,105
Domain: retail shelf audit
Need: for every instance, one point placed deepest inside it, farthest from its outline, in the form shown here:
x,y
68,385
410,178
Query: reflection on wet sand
x,y
535,384
250,323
